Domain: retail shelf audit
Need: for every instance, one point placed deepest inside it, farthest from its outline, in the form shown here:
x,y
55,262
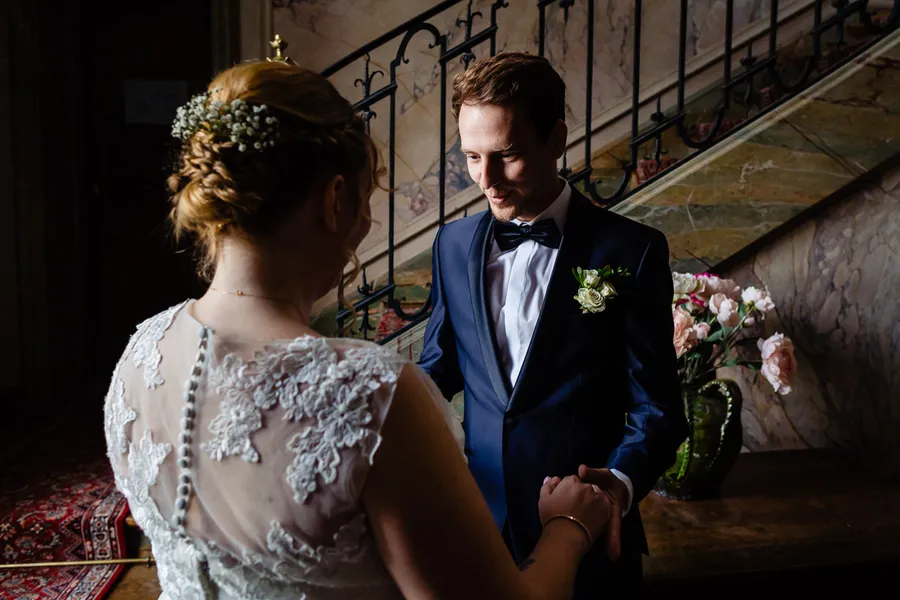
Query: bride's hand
x,y
574,498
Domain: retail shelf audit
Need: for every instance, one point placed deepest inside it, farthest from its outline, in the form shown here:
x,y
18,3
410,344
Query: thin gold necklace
x,y
242,293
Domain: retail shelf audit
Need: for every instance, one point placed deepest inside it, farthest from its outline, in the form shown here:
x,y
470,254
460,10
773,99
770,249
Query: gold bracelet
x,y
577,522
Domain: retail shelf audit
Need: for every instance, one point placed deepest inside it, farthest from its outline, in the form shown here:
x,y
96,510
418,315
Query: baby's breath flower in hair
x,y
247,126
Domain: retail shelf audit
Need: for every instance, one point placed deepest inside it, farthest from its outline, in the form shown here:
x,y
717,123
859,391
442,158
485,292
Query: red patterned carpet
x,y
59,509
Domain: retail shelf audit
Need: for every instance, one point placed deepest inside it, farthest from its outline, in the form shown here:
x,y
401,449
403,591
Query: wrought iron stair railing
x,y
829,21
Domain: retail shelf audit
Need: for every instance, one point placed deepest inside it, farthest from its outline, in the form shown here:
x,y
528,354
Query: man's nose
x,y
491,173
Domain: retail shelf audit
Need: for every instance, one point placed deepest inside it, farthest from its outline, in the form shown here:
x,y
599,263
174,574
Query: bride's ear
x,y
333,202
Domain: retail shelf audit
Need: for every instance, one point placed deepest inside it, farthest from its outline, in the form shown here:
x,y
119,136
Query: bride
x,y
265,461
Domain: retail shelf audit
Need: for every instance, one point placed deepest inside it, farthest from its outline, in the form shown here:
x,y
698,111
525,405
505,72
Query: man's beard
x,y
508,212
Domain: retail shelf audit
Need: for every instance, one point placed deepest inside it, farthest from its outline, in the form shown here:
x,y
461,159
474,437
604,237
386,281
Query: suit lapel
x,y
477,261
575,250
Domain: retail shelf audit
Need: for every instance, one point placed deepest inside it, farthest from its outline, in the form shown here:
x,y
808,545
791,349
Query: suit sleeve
x,y
656,425
439,358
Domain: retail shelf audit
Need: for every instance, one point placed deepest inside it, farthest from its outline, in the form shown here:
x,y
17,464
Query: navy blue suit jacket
x,y
599,389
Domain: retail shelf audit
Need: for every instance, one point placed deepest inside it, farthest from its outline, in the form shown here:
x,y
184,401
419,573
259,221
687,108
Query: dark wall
x,y
140,68
86,102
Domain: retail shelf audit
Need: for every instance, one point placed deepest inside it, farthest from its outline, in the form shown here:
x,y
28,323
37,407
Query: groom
x,y
549,388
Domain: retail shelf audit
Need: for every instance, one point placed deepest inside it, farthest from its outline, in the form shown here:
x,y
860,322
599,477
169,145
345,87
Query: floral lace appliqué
x,y
238,417
117,416
179,564
304,560
310,381
144,345
143,465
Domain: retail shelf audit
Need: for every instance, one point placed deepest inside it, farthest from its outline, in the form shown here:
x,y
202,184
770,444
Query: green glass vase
x,y
703,461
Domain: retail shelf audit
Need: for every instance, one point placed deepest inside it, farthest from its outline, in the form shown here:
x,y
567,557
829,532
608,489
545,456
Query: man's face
x,y
513,167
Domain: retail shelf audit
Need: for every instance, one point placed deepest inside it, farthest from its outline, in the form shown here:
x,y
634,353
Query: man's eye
x,y
509,156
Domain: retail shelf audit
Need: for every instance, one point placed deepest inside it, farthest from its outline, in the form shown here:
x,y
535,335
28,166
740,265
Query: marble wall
x,y
319,32
835,281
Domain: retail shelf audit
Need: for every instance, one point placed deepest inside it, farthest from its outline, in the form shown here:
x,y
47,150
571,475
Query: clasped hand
x,y
592,499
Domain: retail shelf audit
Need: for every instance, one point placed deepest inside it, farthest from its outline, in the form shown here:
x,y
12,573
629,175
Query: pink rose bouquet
x,y
711,317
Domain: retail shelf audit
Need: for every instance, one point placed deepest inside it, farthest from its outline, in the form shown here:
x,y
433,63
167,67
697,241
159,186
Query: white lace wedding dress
x,y
243,461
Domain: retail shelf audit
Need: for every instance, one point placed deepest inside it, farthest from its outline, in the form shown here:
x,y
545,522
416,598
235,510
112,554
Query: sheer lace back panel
x,y
243,461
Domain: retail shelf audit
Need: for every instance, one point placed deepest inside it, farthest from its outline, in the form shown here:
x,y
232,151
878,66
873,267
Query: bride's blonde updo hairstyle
x,y
222,186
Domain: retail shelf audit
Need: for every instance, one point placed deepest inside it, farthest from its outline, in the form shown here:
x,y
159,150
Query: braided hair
x,y
219,190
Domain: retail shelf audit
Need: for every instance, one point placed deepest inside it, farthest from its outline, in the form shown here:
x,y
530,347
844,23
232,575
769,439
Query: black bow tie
x,y
510,235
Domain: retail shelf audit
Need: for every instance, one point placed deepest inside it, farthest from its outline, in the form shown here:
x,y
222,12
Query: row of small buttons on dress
x,y
185,459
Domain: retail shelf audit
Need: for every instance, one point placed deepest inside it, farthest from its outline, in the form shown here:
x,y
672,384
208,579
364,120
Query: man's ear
x,y
331,202
558,138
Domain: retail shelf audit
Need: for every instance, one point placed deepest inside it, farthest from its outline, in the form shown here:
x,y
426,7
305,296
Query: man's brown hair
x,y
517,79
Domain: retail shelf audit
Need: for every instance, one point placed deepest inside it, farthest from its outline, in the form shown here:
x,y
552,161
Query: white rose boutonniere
x,y
591,278
595,287
591,300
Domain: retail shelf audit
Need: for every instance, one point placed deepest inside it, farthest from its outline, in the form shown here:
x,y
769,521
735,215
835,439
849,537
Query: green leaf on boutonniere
x,y
596,287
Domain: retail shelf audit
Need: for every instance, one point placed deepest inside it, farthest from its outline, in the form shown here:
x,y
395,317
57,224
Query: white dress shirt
x,y
517,283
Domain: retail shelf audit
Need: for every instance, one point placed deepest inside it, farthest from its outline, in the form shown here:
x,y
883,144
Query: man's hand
x,y
617,491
